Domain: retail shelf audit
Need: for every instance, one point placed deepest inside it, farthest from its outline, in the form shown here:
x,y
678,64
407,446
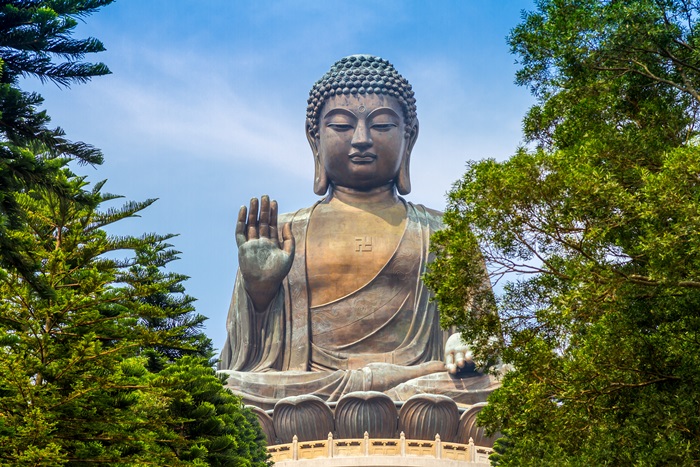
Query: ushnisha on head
x,y
362,75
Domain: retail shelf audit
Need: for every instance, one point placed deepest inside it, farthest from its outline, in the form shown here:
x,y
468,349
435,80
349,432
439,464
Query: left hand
x,y
458,354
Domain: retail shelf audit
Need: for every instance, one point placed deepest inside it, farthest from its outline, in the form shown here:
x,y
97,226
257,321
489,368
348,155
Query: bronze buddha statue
x,y
332,301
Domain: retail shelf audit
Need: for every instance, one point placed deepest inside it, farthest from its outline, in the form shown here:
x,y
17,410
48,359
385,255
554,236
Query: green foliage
x,y
35,33
621,70
102,356
35,40
591,238
69,345
209,418
105,361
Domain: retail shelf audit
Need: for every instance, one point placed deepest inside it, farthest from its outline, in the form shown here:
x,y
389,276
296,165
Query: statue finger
x,y
240,226
459,359
264,222
288,238
273,222
253,219
450,363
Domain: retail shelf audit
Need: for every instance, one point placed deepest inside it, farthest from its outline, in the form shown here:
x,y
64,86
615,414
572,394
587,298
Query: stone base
x,y
421,417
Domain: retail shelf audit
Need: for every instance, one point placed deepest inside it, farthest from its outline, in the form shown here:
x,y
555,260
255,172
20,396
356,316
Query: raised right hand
x,y
263,261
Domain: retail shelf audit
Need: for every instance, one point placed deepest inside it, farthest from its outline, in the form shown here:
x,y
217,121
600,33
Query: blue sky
x,y
205,107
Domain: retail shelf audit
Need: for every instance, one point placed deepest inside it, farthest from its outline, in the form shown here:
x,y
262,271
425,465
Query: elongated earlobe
x,y
403,181
320,177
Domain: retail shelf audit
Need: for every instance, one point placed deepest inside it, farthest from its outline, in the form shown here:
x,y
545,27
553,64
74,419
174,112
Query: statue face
x,y
362,140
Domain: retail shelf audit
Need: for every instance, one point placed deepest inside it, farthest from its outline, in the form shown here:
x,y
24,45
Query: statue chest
x,y
346,249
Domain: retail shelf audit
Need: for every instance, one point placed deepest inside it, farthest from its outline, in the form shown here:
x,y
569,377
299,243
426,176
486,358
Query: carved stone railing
x,y
373,447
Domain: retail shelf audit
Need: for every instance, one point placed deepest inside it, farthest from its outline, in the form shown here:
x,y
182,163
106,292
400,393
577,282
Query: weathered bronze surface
x,y
329,299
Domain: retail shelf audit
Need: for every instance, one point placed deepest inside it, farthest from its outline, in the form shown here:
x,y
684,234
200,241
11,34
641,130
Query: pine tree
x,y
85,375
35,40
212,426
103,358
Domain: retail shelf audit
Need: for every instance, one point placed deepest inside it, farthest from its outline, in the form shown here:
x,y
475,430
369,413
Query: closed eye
x,y
384,126
340,126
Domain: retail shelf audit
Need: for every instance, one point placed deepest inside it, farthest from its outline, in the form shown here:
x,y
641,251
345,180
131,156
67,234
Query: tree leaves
x,y
102,359
591,238
108,350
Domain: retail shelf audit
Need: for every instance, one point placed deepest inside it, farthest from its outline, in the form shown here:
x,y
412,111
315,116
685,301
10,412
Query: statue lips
x,y
362,157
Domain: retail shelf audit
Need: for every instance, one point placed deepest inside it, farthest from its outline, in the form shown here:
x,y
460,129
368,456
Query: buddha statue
x,y
329,299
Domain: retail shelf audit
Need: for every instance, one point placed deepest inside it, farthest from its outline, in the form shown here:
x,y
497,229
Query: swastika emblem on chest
x,y
363,244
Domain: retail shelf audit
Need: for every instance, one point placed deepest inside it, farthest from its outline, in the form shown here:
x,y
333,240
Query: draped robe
x,y
391,339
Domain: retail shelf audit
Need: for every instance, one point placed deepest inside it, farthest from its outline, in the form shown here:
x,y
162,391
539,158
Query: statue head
x,y
351,82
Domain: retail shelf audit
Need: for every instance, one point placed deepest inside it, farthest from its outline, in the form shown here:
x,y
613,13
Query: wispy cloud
x,y
207,119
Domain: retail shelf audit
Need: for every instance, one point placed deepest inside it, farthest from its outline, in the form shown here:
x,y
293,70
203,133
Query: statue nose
x,y
361,139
